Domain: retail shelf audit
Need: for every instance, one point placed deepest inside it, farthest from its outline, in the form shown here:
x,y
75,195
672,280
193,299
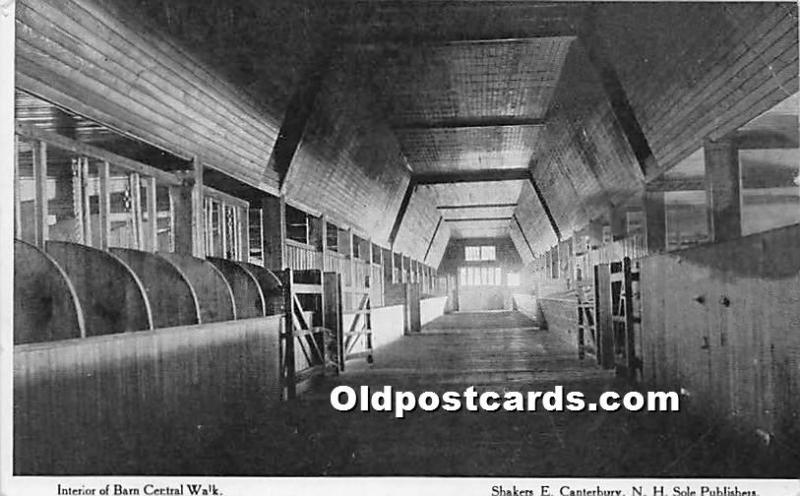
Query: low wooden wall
x,y
560,316
139,402
528,305
723,322
46,306
431,308
388,325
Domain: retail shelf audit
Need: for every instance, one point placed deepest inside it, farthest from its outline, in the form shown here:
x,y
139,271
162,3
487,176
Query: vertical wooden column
x,y
17,192
104,203
244,233
152,214
351,255
617,219
187,205
86,204
723,190
324,240
655,221
40,183
392,266
273,218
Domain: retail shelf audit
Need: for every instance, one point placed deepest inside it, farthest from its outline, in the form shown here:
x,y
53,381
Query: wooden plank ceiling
x,y
470,106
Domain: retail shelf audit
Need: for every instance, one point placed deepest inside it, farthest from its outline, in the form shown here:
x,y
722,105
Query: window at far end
x,y
479,253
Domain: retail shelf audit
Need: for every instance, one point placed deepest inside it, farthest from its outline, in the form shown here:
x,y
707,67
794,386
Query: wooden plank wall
x,y
112,297
721,321
212,289
120,404
247,293
720,66
171,296
93,58
46,306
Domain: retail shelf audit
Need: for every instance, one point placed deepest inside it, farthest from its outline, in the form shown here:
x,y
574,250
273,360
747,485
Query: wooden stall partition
x,y
720,322
46,305
270,285
122,404
247,293
212,289
412,306
605,333
172,299
112,296
302,256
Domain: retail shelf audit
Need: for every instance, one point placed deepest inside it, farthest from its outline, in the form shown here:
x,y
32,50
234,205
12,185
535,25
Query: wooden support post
x,y
351,256
723,190
324,241
618,221
273,211
136,209
104,203
244,231
332,296
287,357
188,213
17,197
40,184
152,214
392,267
86,205
655,221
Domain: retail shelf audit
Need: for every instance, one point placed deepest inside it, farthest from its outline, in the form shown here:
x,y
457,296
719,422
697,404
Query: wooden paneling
x,y
717,67
112,297
349,163
247,294
46,306
92,58
171,296
270,286
300,256
419,224
125,402
720,321
213,292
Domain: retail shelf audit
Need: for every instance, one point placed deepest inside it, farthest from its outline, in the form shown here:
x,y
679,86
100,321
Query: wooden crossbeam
x,y
482,175
481,122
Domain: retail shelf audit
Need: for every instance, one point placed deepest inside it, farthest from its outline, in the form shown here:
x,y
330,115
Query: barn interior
x,y
224,209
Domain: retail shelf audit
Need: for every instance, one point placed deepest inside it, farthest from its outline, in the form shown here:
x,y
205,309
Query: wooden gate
x,y
308,349
626,318
357,340
587,321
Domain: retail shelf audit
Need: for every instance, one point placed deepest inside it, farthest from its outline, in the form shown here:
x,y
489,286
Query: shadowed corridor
x,y
499,351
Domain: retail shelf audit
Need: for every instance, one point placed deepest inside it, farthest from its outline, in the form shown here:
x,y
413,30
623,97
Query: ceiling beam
x,y
617,97
479,219
546,209
477,205
473,176
395,41
469,123
298,112
433,238
522,231
401,212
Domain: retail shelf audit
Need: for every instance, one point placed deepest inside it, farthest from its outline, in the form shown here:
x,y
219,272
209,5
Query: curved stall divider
x,y
246,291
270,284
112,297
213,292
46,306
172,298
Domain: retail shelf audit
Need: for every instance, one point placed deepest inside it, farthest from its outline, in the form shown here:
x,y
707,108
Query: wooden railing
x,y
301,256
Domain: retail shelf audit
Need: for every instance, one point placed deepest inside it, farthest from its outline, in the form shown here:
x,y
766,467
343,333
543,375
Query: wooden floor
x,y
491,351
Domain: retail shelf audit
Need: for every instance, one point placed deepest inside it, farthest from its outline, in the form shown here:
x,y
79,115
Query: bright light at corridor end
x,y
345,399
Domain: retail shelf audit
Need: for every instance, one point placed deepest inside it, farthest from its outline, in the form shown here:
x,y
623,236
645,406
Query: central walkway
x,y
499,351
